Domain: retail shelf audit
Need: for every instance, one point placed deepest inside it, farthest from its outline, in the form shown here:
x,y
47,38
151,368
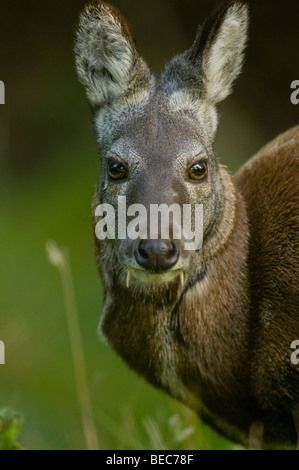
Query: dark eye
x,y
116,171
199,171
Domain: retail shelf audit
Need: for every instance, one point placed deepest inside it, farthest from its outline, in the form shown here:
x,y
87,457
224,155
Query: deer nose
x,y
156,255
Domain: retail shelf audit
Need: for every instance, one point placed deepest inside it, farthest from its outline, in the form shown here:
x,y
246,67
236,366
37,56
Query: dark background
x,y
45,105
48,170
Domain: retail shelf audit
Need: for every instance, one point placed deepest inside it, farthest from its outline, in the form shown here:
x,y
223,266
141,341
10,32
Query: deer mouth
x,y
148,277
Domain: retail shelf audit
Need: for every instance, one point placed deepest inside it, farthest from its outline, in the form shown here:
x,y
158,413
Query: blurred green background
x,y
48,170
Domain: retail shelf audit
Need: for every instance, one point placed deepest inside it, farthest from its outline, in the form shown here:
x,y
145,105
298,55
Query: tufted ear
x,y
107,61
209,68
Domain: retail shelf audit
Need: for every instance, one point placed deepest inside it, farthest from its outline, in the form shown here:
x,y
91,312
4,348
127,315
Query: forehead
x,y
150,131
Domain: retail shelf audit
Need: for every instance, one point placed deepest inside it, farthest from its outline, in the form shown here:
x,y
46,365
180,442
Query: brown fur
x,y
231,336
269,183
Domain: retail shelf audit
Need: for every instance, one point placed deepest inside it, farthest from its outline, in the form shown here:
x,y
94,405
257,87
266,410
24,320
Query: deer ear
x,y
209,68
222,41
107,61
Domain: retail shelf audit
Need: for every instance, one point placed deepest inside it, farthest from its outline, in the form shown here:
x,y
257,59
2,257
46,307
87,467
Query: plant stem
x,y
60,258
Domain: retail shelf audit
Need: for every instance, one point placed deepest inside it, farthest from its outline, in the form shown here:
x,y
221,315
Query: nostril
x,y
172,250
156,255
142,252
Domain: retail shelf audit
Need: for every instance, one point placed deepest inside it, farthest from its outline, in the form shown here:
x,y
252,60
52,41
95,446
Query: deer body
x,y
219,341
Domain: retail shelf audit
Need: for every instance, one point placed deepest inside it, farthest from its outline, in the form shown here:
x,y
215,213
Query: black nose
x,y
156,255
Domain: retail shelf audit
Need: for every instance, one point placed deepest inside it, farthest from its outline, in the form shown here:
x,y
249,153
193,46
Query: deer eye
x,y
199,171
116,171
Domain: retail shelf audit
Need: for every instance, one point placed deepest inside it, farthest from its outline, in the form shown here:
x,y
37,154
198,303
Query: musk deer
x,y
213,326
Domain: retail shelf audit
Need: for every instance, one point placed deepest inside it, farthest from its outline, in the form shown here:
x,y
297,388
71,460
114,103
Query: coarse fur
x,y
220,343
